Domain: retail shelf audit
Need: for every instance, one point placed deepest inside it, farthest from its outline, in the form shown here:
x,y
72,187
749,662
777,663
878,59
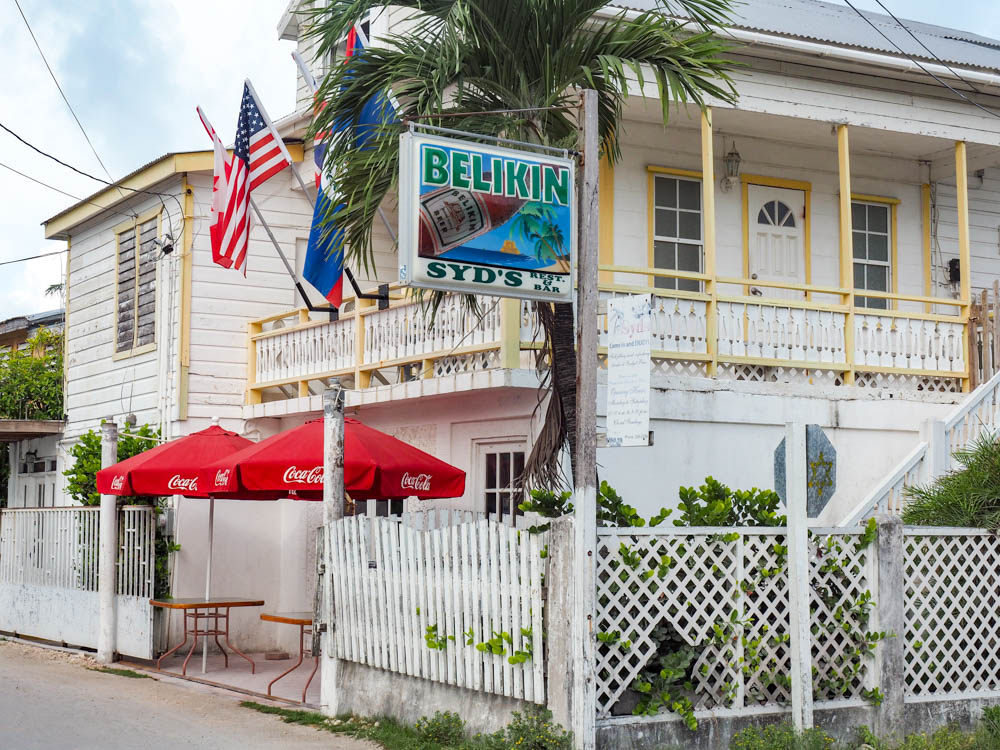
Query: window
x,y
501,466
677,229
872,258
776,214
135,311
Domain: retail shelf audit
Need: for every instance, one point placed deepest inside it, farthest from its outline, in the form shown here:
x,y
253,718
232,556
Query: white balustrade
x,y
412,331
677,325
304,352
770,330
908,343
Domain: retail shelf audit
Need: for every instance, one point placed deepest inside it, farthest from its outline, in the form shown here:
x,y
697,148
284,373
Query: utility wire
x,y
120,187
930,52
61,92
31,257
908,56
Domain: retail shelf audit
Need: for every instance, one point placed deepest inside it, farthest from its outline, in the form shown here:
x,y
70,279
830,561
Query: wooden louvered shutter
x,y
125,334
146,295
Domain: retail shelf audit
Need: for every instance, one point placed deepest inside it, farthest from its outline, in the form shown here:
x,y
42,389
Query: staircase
x,y
933,456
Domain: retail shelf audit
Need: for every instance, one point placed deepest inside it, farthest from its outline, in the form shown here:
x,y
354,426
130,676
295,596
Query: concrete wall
x,y
729,430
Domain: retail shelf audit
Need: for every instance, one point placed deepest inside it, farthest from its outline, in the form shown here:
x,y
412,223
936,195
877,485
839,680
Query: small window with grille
x,y
872,257
499,470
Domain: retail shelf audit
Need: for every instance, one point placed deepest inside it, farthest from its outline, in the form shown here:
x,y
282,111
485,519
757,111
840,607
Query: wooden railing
x,y
733,332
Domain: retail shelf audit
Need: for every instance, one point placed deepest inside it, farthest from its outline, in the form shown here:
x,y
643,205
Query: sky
x,y
134,70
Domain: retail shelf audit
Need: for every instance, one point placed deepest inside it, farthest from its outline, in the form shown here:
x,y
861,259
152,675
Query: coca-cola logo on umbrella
x,y
416,482
222,478
295,475
183,484
118,482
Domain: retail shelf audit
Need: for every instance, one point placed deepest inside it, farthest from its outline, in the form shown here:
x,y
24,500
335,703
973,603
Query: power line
x,y
31,257
930,52
61,92
955,91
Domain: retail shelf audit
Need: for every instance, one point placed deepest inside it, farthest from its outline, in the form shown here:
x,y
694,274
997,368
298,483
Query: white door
x,y
498,470
777,219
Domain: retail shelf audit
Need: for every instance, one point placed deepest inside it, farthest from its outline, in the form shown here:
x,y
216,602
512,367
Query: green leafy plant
x,y
780,737
444,728
714,504
965,497
531,730
436,641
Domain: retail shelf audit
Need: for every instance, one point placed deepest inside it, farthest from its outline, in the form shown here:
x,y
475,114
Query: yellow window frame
x,y
893,204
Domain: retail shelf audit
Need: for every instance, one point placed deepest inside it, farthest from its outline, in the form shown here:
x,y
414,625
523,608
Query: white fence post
x,y
798,575
108,552
890,673
333,510
938,458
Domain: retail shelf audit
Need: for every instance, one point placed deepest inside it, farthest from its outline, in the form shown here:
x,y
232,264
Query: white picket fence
x,y
399,590
49,575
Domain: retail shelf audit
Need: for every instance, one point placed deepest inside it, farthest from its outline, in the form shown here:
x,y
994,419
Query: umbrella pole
x,y
208,578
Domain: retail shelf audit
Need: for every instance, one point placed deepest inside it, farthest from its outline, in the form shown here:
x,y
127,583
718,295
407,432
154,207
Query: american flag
x,y
258,155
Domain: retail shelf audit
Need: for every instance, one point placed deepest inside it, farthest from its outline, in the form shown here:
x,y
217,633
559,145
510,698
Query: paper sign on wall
x,y
629,344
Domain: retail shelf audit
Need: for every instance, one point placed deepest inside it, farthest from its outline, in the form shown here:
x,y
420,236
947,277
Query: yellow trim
x,y
694,174
778,302
58,226
846,240
708,238
65,337
253,388
925,217
187,267
132,225
778,182
510,333
964,250
606,215
875,198
782,362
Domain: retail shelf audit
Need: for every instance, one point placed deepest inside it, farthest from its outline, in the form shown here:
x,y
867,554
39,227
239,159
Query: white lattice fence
x,y
725,593
952,599
398,589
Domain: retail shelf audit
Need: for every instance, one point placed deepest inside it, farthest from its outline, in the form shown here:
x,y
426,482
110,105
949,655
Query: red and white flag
x,y
258,154
219,178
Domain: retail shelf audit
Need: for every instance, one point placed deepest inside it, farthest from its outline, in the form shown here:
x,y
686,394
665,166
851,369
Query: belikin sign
x,y
485,220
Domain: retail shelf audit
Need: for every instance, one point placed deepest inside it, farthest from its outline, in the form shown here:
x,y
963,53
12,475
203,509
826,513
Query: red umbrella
x,y
171,468
376,466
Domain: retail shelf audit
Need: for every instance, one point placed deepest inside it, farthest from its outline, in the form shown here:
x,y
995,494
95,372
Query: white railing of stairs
x,y
934,455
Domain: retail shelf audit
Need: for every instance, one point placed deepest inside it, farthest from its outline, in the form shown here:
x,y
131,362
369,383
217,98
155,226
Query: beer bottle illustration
x,y
450,217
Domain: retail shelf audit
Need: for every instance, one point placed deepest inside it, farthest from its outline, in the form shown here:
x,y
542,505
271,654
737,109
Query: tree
x,y
490,58
31,386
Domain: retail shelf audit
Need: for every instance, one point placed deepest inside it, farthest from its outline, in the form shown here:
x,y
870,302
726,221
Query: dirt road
x,y
51,700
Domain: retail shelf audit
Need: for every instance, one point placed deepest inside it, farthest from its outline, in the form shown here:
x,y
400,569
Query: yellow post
x,y
510,334
708,231
846,247
606,226
187,265
964,251
303,384
253,396
925,217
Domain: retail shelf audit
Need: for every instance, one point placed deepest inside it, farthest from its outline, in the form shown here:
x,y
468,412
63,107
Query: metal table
x,y
304,621
198,609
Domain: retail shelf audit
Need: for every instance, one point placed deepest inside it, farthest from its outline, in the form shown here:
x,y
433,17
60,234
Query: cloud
x,y
134,71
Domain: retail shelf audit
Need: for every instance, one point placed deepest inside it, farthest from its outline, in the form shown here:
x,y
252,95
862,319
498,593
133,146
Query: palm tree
x,y
512,68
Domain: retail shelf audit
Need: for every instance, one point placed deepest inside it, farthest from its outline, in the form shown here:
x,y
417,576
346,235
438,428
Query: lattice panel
x,y
750,373
840,574
902,381
766,606
952,598
679,367
682,601
466,363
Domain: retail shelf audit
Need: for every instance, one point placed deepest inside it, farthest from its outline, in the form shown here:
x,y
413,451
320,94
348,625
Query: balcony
x,y
733,331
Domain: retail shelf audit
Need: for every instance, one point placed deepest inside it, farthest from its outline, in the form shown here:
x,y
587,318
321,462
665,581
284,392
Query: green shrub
x,y
532,730
444,728
780,737
714,504
969,496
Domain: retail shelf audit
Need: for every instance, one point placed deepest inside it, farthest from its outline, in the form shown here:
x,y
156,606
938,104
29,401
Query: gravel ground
x,y
49,699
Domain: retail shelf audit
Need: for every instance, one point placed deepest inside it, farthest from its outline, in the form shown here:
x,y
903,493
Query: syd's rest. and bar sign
x,y
485,220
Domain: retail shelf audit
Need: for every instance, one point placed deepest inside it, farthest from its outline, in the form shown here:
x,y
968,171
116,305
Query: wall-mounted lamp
x,y
31,456
731,161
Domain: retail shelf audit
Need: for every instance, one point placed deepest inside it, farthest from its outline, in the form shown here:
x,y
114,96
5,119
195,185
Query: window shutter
x,y
146,311
126,291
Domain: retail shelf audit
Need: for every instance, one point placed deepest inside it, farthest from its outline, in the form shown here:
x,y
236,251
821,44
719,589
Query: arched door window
x,y
776,214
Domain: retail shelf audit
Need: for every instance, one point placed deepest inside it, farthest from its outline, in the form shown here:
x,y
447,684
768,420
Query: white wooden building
x,y
828,278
